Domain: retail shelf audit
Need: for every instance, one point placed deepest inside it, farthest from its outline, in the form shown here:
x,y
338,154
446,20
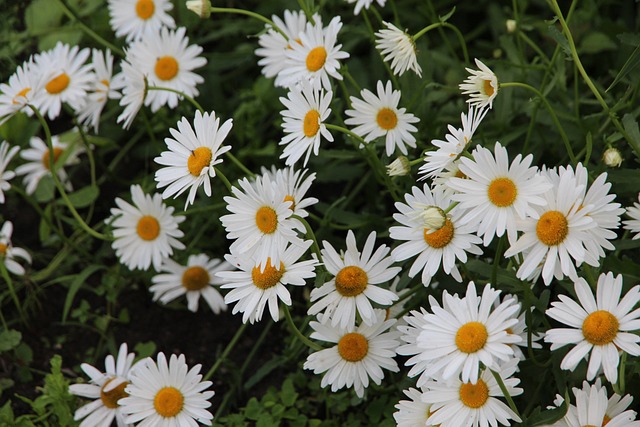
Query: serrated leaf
x,y
9,339
560,39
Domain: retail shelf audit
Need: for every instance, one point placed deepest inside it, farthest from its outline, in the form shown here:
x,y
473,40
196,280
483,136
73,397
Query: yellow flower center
x,y
166,68
110,398
23,92
600,327
57,152
606,420
168,402
439,238
552,228
353,347
488,88
195,278
145,9
148,228
316,58
57,84
471,337
311,123
292,200
460,174
351,281
198,160
502,192
387,119
269,277
266,220
3,249
474,395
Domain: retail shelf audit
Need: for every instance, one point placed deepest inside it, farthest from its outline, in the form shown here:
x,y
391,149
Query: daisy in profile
x,y
273,45
146,232
481,86
353,287
592,408
465,332
101,88
23,87
459,403
38,161
633,224
316,57
253,287
448,150
303,122
495,195
554,236
133,18
375,116
167,61
438,240
6,154
260,221
194,280
600,327
9,253
167,394
414,412
364,4
106,389
134,92
359,354
193,153
399,48
70,79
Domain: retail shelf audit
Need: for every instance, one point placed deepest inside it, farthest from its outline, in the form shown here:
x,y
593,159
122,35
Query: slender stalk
x,y
187,97
452,27
223,179
226,352
505,392
496,262
12,291
238,163
250,14
311,235
297,332
392,76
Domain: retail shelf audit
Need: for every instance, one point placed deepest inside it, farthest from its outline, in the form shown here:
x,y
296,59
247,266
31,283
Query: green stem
x,y
71,14
58,184
496,262
250,14
311,235
452,27
238,163
392,76
505,392
552,113
12,290
226,352
451,206
187,97
297,332
223,179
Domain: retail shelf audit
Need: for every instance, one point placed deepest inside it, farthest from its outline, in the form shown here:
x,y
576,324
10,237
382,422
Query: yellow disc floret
x,y
195,278
387,119
58,84
145,9
353,347
552,228
57,152
351,281
198,160
311,123
267,278
267,220
148,228
316,58
168,402
166,68
474,395
110,398
600,327
441,237
502,192
488,88
471,337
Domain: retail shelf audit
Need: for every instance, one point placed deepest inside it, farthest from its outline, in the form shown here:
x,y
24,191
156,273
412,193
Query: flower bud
x,y
399,167
202,8
612,157
433,218
511,25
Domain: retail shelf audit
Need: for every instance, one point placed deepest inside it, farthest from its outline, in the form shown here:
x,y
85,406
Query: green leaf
x,y
145,349
631,126
596,42
84,197
543,418
42,15
288,393
44,230
9,339
632,62
77,282
45,189
560,39
448,15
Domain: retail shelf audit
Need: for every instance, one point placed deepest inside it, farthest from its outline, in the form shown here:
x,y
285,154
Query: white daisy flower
x,y
359,354
196,279
414,412
167,61
375,116
481,86
494,194
146,232
592,409
616,404
134,92
260,220
399,48
193,153
101,87
601,327
167,394
303,122
134,18
9,253
38,158
555,234
24,86
433,246
633,224
364,4
274,45
6,154
296,183
466,332
70,79
106,389
459,403
316,57
520,329
352,289
253,287
410,331
448,151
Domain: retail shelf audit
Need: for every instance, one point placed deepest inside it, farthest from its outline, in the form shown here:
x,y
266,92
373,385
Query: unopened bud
x,y
202,8
511,25
433,218
612,157
399,167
